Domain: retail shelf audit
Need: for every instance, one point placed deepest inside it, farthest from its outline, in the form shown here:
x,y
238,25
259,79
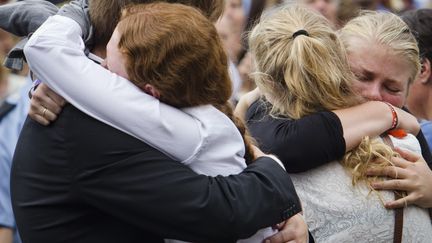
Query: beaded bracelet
x,y
395,119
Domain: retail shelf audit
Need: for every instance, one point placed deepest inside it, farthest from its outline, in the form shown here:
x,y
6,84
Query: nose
x,y
372,92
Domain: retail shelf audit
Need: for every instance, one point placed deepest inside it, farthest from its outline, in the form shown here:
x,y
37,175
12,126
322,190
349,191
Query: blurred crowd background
x,y
238,18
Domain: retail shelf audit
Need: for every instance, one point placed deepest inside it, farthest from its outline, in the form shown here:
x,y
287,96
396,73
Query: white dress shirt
x,y
202,137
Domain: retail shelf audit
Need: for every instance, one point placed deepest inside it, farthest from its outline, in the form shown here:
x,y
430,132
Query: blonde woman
x,y
384,57
302,70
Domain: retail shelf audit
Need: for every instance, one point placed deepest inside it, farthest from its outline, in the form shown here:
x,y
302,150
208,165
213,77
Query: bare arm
x,y
372,119
369,119
245,101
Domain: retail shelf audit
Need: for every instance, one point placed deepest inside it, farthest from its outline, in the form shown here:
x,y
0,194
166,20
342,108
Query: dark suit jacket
x,y
426,153
79,180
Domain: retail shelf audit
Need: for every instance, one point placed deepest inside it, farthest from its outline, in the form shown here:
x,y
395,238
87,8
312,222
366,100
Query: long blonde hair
x,y
309,72
305,74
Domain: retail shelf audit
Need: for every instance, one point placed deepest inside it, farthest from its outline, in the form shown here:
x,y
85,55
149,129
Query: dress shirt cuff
x,y
276,159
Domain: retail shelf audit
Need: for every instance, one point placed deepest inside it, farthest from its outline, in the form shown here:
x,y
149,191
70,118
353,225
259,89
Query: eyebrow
x,y
369,73
392,81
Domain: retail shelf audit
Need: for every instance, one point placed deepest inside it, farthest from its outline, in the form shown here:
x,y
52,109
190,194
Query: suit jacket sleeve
x,y
23,18
426,153
302,144
174,202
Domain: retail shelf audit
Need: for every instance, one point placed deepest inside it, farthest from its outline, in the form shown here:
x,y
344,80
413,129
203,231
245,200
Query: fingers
x,y
401,202
389,171
49,115
400,185
45,90
38,113
44,96
281,225
41,114
401,162
279,237
408,155
39,119
294,229
45,105
287,235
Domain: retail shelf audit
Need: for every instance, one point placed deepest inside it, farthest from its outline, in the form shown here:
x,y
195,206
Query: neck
x,y
100,51
422,106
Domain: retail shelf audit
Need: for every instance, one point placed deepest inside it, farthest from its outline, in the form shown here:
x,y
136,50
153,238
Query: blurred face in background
x,y
230,28
231,38
234,13
328,8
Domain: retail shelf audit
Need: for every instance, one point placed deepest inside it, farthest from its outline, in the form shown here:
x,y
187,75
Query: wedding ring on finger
x,y
44,112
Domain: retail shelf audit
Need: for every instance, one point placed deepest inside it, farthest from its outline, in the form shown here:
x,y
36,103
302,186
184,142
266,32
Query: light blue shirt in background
x,y
426,127
10,128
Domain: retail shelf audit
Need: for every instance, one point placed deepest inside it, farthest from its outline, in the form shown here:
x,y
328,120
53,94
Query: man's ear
x,y
425,72
151,90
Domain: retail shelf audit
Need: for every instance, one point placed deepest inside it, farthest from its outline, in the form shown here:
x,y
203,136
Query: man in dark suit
x,y
80,180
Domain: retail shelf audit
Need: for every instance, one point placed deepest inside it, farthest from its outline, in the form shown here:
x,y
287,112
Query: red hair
x,y
177,50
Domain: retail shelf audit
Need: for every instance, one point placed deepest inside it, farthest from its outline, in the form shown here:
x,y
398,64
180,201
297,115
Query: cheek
x,y
117,68
359,87
120,70
396,100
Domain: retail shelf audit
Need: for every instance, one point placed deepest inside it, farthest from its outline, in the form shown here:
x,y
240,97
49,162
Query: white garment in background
x,y
336,211
236,80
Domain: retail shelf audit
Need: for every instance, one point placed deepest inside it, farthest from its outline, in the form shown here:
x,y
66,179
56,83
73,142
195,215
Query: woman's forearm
x,y
372,119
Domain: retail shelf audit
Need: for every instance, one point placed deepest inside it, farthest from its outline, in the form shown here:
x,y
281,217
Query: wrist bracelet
x,y
395,119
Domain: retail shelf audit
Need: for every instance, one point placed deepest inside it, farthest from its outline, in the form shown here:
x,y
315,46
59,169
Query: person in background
x,y
347,10
238,19
12,118
419,100
4,85
328,8
14,105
